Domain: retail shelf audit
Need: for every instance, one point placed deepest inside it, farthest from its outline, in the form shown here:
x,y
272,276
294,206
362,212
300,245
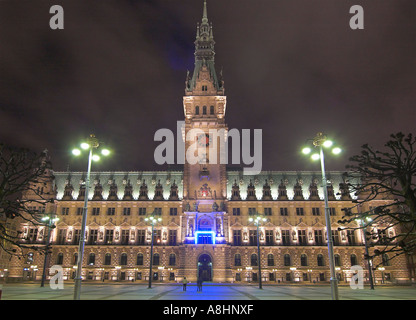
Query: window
x,y
251,211
157,237
237,260
197,110
111,211
156,259
79,211
320,260
337,259
351,237
253,260
126,211
303,260
95,211
211,110
75,259
204,110
107,259
385,260
141,236
283,212
158,211
285,237
60,259
332,212
267,211
125,236
172,259
302,237
270,260
286,260
77,236
236,211
316,212
142,211
318,237
139,260
93,236
61,236
91,259
335,237
237,237
269,237
253,237
300,212
173,211
353,259
65,211
172,237
109,234
123,259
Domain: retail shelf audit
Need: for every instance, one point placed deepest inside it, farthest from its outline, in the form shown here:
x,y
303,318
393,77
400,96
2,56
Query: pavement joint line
x,y
245,293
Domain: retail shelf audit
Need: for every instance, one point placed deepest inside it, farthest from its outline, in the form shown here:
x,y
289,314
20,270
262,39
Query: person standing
x,y
184,282
199,284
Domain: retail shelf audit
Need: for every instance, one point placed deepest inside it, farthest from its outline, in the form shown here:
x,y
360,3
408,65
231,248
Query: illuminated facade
x,y
205,209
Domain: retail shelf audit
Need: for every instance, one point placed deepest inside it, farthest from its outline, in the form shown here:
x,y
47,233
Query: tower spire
x,y
204,52
204,14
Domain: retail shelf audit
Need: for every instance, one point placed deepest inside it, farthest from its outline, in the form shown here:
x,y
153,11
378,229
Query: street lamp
x,y
49,219
257,220
152,220
320,141
91,144
363,227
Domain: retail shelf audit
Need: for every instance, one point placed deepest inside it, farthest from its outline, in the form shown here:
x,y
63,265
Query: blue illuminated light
x,y
197,233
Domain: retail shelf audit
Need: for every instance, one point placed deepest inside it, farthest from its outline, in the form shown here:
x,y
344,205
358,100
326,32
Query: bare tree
x,y
386,198
25,194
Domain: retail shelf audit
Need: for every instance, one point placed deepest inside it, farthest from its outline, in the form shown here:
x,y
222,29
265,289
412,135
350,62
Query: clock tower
x,y
204,106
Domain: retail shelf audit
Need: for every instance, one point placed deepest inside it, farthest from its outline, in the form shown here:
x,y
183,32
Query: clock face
x,y
204,140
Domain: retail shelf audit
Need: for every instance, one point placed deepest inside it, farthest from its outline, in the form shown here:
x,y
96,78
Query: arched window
x,y
172,259
303,260
156,259
337,259
286,260
270,260
197,110
107,259
320,260
139,261
254,260
91,259
353,259
204,110
123,259
385,260
211,110
60,258
237,260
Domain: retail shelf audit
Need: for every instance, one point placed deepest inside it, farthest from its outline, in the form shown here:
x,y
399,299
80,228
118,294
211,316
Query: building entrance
x,y
205,267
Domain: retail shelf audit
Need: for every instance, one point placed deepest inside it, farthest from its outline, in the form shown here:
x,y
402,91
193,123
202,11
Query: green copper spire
x,y
204,51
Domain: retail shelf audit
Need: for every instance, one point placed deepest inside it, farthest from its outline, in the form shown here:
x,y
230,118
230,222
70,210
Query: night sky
x,y
291,68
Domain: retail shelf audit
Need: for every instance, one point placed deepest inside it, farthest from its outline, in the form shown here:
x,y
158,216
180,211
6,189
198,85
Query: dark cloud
x,y
291,68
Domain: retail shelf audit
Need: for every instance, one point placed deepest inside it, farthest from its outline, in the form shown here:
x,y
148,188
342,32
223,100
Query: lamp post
x,y
91,144
257,221
50,224
361,222
320,141
152,219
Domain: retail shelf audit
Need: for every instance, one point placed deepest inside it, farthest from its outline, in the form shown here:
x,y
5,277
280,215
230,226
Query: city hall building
x,y
204,209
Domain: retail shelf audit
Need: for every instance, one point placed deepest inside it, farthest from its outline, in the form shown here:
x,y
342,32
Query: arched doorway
x,y
205,267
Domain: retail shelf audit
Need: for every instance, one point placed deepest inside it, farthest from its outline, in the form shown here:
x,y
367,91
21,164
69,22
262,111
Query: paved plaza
x,y
211,291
